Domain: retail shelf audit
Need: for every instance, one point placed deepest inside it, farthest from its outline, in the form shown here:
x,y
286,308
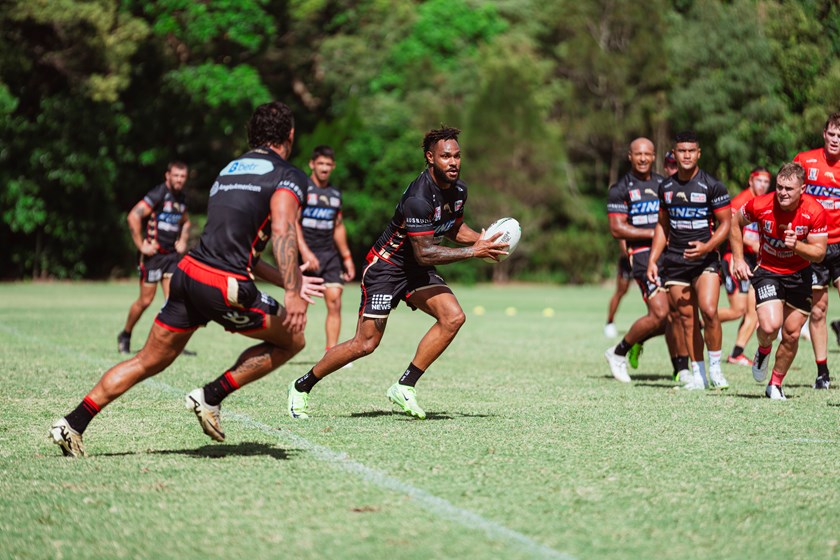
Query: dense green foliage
x,y
97,95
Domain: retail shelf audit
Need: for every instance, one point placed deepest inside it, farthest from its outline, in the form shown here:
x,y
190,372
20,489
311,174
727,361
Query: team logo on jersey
x,y
459,204
651,192
669,196
635,195
312,199
447,209
768,226
830,175
813,173
681,196
801,230
437,213
698,197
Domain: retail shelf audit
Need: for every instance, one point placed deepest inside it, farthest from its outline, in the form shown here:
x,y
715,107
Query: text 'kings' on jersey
x,y
690,207
822,181
423,209
239,209
638,200
321,209
164,223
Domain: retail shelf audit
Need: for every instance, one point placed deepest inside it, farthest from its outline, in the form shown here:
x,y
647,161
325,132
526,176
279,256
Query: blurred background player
x,y
793,236
322,238
669,164
822,181
623,274
694,219
160,227
739,291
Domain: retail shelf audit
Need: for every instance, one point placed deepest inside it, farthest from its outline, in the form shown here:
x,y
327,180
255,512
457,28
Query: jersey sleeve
x,y
719,196
616,201
819,225
295,184
418,214
155,196
748,211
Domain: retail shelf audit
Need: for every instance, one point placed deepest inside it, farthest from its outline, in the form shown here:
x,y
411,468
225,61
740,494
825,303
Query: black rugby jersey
x,y
318,216
639,201
424,209
690,207
164,223
239,210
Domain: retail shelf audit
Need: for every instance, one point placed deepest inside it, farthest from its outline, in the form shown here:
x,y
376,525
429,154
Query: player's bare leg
x,y
648,325
332,298
819,334
745,331
145,299
621,286
737,307
684,300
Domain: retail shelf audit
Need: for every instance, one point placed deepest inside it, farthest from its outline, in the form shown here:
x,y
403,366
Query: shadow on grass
x,y
429,415
651,377
244,449
670,387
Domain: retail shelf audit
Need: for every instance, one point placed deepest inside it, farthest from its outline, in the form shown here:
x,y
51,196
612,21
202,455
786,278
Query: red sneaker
x,y
740,361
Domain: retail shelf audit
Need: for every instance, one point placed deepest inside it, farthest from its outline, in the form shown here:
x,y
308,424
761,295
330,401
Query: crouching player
x,y
793,233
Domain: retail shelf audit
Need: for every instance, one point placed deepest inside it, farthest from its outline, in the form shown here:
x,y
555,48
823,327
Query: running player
x,y
623,275
160,227
690,202
322,238
633,210
740,293
401,266
793,235
254,198
822,181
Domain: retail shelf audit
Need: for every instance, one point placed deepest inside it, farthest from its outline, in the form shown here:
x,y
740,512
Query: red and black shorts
x,y
827,271
793,289
640,261
157,267
385,284
732,284
199,293
624,269
330,269
676,270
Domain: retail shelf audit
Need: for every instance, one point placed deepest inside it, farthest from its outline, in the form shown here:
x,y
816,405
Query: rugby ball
x,y
511,232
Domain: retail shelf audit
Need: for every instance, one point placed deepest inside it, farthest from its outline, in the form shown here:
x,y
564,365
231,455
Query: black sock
x,y
822,369
125,334
623,347
305,383
82,415
411,375
737,351
680,363
216,391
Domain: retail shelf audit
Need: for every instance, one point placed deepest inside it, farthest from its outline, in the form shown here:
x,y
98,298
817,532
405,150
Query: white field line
x,y
436,506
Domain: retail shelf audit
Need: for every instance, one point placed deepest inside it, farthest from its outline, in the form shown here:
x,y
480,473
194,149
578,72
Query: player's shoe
x,y
618,365
68,439
759,369
298,402
633,355
348,365
835,326
405,397
716,378
683,376
822,382
208,416
774,392
124,343
739,361
610,331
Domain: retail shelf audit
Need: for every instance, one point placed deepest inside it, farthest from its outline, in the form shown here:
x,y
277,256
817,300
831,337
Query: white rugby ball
x,y
511,232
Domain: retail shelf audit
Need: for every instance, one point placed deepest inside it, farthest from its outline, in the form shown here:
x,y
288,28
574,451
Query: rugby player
x,y
669,163
254,198
322,238
633,210
160,228
822,181
623,274
401,266
690,203
793,234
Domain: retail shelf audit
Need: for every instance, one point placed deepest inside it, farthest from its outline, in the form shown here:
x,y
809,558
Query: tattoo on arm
x,y
286,255
427,253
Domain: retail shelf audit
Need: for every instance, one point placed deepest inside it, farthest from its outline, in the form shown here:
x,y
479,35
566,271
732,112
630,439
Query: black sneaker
x,y
823,381
124,343
835,326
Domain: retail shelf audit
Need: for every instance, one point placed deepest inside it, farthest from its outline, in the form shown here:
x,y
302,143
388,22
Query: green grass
x,y
530,449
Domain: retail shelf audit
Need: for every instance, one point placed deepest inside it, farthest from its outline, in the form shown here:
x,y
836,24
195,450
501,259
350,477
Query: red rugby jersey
x,y
809,218
749,230
822,181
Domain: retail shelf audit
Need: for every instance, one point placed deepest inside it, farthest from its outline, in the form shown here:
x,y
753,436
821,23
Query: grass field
x,y
530,450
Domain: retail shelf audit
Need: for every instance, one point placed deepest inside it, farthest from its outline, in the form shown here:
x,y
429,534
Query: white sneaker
x,y
68,439
716,378
684,376
208,416
618,365
760,372
348,365
610,331
298,403
775,393
696,382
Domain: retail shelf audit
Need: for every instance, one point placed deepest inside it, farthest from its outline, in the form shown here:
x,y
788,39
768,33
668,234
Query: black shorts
x,y
330,269
384,285
792,289
624,269
676,270
199,293
827,272
733,285
157,267
640,261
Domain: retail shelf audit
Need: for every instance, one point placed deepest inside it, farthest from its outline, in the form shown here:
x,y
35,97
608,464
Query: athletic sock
x,y
622,348
82,415
125,334
763,352
822,368
737,351
305,383
714,359
216,391
777,377
411,376
680,363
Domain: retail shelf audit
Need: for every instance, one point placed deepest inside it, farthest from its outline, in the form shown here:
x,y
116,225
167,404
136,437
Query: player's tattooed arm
x,y
428,253
140,212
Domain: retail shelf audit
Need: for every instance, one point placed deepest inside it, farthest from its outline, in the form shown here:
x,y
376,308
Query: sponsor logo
x,y
647,207
635,195
312,199
154,275
459,204
248,166
768,226
319,213
232,187
235,318
380,302
703,185
437,213
813,173
698,197
417,221
801,231
447,225
767,291
683,212
335,202
721,199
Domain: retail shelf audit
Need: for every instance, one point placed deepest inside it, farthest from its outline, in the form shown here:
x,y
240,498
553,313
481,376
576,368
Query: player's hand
x,y
653,273
488,247
149,248
181,247
349,269
310,259
740,269
296,305
696,250
790,237
311,286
